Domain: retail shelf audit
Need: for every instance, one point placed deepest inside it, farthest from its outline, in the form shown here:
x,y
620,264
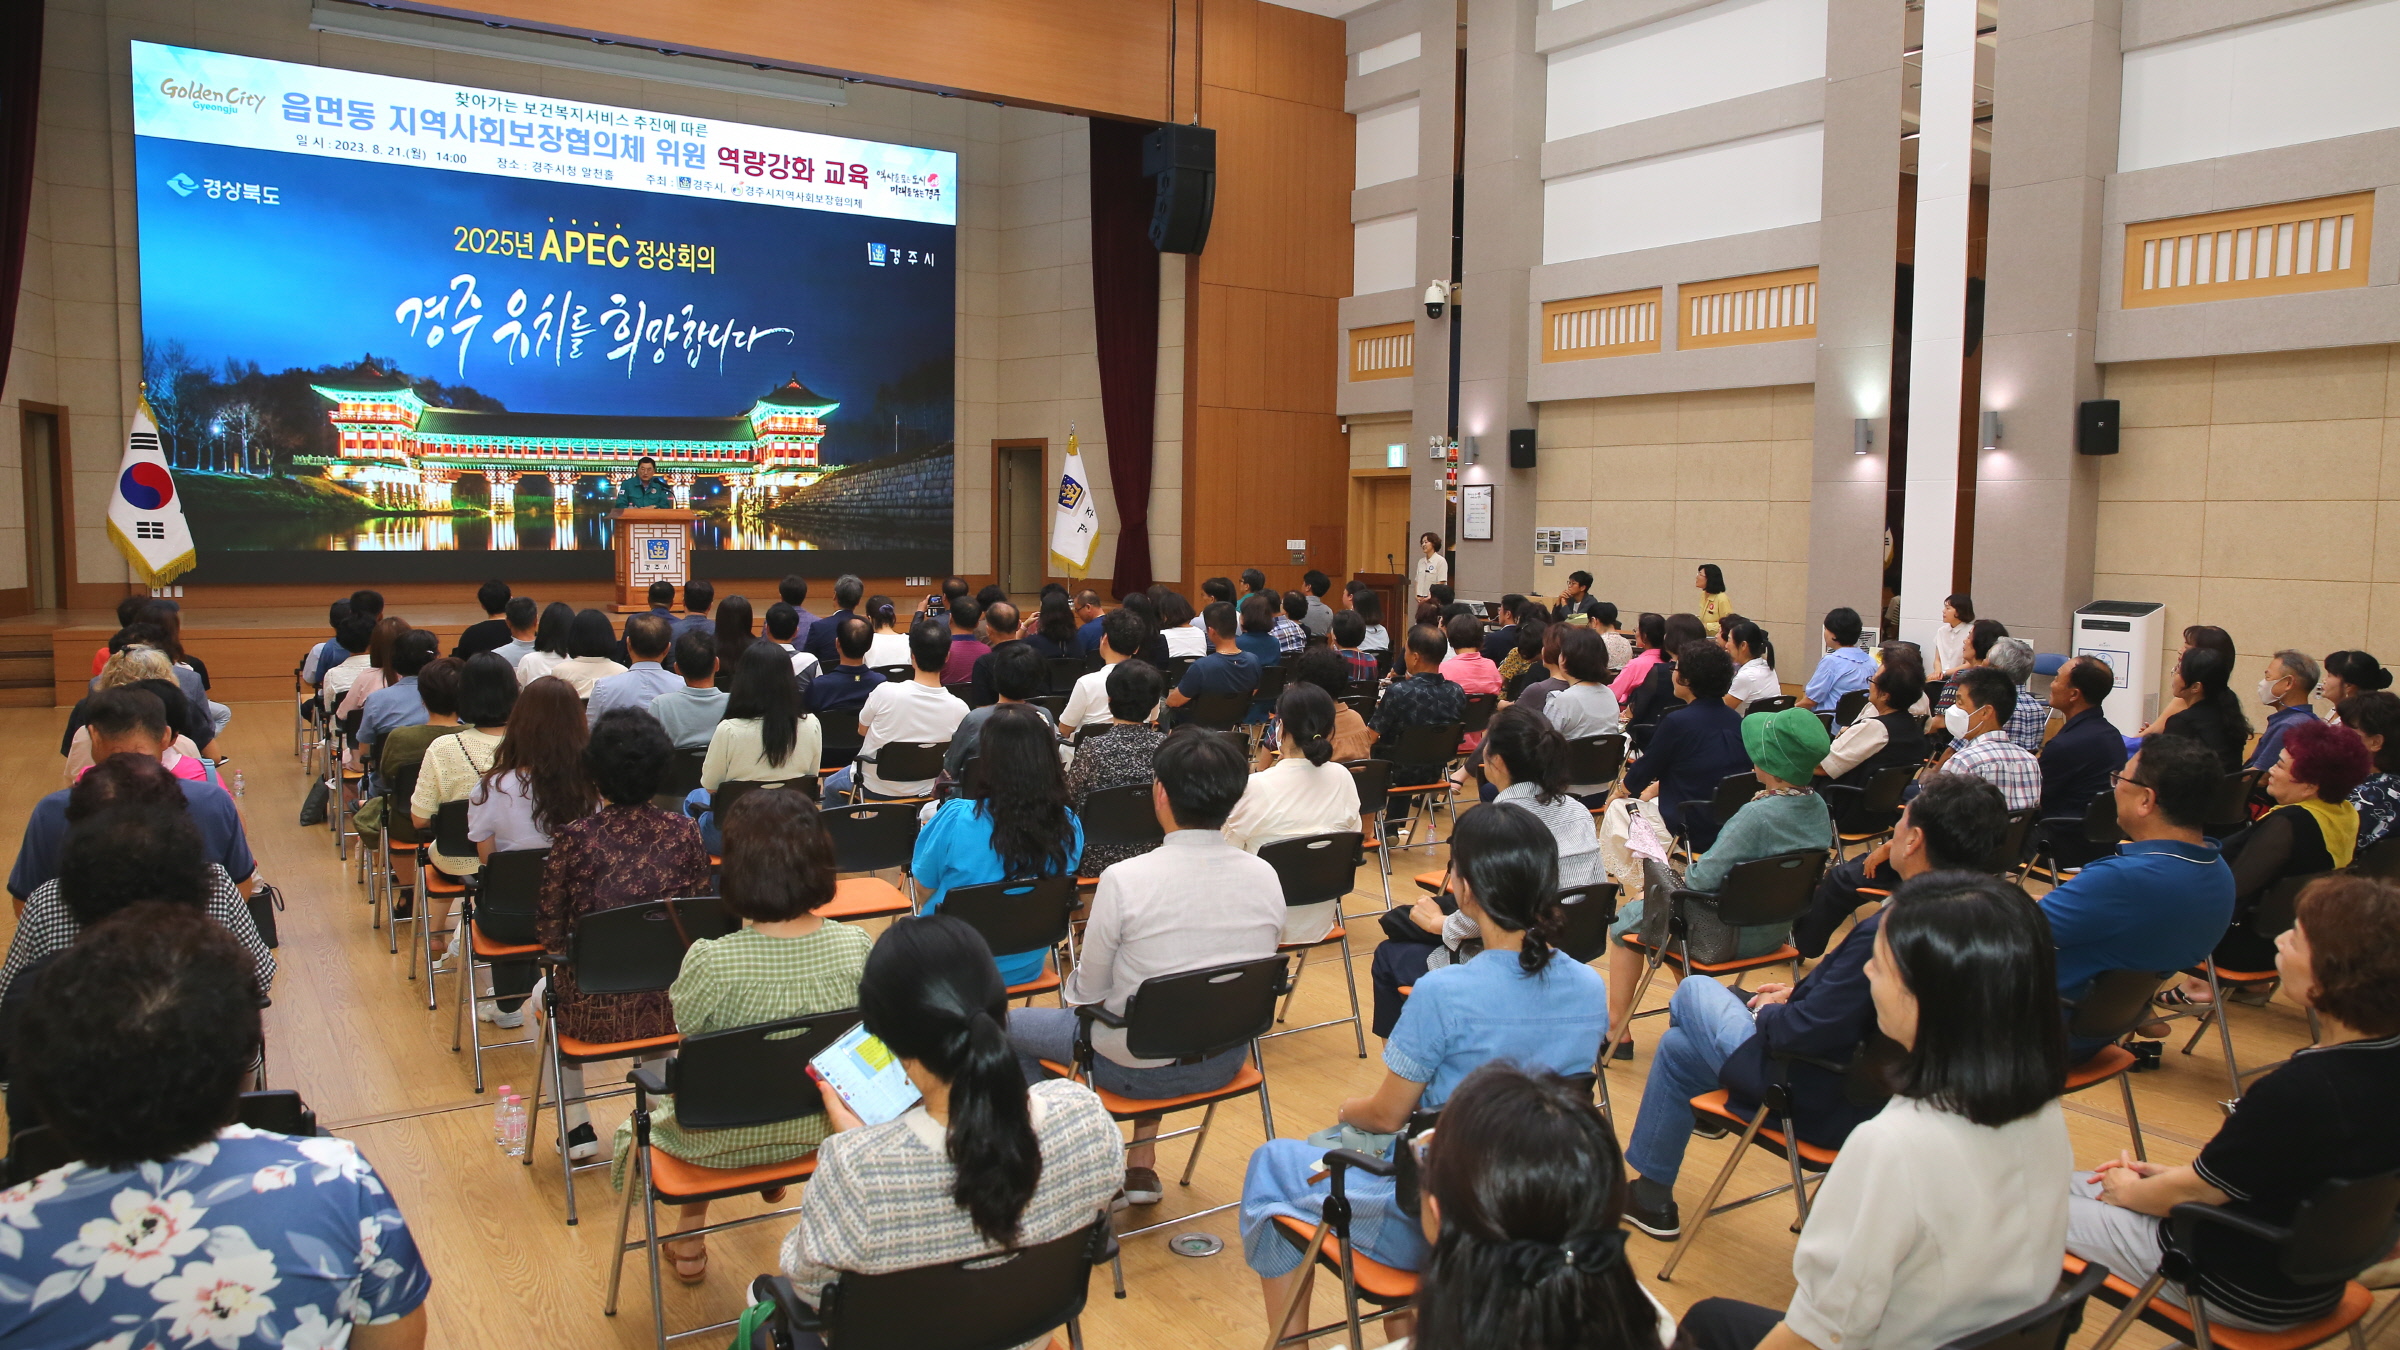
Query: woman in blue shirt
x,y
1516,1001
1012,821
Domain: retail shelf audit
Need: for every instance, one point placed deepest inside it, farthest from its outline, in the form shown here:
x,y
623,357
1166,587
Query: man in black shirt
x,y
491,634
1000,627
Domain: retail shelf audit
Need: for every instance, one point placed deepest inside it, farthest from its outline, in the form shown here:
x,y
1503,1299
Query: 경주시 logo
x,y
875,255
1070,493
658,550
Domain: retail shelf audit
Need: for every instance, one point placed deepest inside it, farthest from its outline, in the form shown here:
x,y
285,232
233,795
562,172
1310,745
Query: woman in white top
x,y
764,737
1950,640
1302,793
536,784
1176,624
1585,707
591,647
1523,1200
1934,1222
1432,568
1754,665
889,645
549,642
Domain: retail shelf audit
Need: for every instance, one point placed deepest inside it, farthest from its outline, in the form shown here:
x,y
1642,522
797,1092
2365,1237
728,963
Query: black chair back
x,y
38,1148
1588,911
512,887
2100,821
1025,915
1064,672
1425,744
1595,759
1480,708
1374,780
1194,1014
1120,816
2229,810
1847,708
1176,665
350,724
450,830
2015,841
1090,731
1773,889
2277,909
963,691
638,948
2046,1327
2341,1230
1770,705
1017,1297
837,742
1877,806
2117,1002
1734,792
1316,867
1270,683
2380,859
754,1075
1217,712
1054,704
871,836
1363,695
683,774
909,762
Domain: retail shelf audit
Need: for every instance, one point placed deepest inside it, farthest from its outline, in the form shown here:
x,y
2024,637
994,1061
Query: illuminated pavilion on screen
x,y
402,451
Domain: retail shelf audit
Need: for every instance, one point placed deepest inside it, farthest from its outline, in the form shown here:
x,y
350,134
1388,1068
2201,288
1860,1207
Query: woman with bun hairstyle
x,y
1302,793
2205,707
982,1163
1515,1001
1524,1202
2348,673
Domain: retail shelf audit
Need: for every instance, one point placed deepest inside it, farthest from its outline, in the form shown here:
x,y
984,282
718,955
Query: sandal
x,y
691,1269
2178,998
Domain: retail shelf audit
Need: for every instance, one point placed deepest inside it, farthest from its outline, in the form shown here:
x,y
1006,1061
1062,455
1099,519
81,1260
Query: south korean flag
x,y
145,513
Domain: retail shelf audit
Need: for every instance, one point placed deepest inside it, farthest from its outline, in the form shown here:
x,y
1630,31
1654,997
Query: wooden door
x,y
1379,523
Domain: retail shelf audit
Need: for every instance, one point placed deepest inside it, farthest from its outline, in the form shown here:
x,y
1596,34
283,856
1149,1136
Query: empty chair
x,y
1320,869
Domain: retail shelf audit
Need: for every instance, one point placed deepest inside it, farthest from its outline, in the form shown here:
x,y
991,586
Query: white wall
x,y
1405,47
1725,51
1387,144
1758,183
1384,254
2310,77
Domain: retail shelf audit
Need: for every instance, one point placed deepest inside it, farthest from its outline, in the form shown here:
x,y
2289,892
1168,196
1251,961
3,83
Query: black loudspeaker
x,y
1520,449
2096,427
1184,161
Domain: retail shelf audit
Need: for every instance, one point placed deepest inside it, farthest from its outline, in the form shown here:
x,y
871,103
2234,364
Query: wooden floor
x,y
350,1031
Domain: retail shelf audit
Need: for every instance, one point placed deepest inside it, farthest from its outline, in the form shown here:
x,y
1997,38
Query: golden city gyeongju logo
x,y
205,99
1070,494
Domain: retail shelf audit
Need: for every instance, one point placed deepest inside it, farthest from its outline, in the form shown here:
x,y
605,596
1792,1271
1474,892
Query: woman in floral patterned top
x,y
1121,758
623,854
785,962
2376,718
181,1227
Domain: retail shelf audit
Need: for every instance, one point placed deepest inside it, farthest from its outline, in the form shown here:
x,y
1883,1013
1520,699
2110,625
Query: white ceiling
x,y
1331,9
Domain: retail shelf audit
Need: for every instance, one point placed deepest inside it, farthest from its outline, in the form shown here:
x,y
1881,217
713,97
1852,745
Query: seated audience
x,y
1933,1222
2204,707
2162,900
734,636
1001,626
2013,657
982,1164
312,666
130,839
144,668
2312,828
1585,706
399,704
2376,719
1604,621
824,634
1650,630
625,853
2291,677
1289,608
1575,597
1517,1001
1257,640
907,712
691,710
135,1049
1010,821
763,738
1422,699
2348,673
1018,677
1181,626
1980,742
966,642
549,643
785,635
1718,1038
491,633
1887,735
1319,621
591,653
1695,747
403,755
2323,1114
1055,636
1329,670
1302,793
455,764
2077,761
793,591
133,722
1754,675
167,616
1349,635
1546,673
1190,904
838,692
522,617
383,643
537,783
662,608
1500,636
1467,666
348,656
1369,607
1089,611
646,680
1122,634
785,961
1657,693
698,598
1154,643
1121,758
1844,669
890,645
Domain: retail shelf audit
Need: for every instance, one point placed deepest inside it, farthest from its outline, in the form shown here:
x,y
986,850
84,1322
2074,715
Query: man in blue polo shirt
x,y
1226,670
2290,678
133,722
1845,669
2162,901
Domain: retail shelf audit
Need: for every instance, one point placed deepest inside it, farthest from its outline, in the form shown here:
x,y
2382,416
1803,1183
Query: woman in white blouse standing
x,y
1302,793
1432,568
1933,1221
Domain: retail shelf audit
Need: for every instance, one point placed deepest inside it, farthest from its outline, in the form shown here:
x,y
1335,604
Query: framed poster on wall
x,y
1475,511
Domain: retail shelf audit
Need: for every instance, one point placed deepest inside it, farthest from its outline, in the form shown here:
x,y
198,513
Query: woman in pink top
x,y
1468,667
1650,633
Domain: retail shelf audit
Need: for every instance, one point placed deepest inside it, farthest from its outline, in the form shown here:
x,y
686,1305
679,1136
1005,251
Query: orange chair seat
x,y
2111,1061
2225,976
1332,935
1382,1283
1431,882
573,1050
865,898
1777,957
1714,1104
2165,1316
1407,989
350,775
1420,787
488,950
1126,1108
1042,984
400,845
674,1179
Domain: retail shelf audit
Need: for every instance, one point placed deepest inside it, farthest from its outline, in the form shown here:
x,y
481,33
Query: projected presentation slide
x,y
386,315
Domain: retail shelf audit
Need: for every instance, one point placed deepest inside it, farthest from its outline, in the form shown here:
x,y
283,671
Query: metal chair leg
x,y
1791,1155
1307,1285
1716,1188
2233,1071
1266,1109
2133,1118
616,1270
2131,1313
1199,1141
1358,1025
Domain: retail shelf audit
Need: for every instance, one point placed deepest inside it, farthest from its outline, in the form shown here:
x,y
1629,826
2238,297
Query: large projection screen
x,y
388,325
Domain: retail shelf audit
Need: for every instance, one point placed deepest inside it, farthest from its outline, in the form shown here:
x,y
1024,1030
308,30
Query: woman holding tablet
x,y
784,962
982,1162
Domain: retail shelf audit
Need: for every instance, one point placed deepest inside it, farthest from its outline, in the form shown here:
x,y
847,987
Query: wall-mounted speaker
x,y
2096,427
1520,449
1184,161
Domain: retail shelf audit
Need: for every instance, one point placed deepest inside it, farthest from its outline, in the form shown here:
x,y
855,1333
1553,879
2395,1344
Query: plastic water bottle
x,y
513,1143
500,1103
237,782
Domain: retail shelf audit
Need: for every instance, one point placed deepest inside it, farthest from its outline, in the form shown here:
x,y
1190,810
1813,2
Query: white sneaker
x,y
446,963
506,1021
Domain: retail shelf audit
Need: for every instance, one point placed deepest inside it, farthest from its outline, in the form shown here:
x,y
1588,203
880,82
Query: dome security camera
x,y
1437,296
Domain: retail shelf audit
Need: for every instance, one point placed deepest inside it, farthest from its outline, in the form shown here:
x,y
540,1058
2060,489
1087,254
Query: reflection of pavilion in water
x,y
398,450
531,528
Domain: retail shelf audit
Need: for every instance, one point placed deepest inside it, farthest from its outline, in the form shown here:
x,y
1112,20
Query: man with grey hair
x,y
2291,676
2013,657
820,643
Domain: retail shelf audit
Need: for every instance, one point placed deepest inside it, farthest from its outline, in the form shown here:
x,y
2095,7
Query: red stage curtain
x,y
1125,317
20,99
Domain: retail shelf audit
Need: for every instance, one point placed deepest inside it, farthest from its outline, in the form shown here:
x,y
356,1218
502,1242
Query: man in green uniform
x,y
645,488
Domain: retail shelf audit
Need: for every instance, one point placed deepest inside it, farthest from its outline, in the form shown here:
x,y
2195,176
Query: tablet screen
x,y
868,1076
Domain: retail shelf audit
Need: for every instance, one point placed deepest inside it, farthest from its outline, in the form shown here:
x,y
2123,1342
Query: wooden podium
x,y
653,544
1391,588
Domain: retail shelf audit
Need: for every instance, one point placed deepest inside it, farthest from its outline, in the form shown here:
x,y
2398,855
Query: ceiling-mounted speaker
x,y
1184,161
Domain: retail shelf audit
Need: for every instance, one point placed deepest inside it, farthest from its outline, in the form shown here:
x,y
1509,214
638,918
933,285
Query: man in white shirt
x,y
1194,902
1121,635
917,711
646,639
522,614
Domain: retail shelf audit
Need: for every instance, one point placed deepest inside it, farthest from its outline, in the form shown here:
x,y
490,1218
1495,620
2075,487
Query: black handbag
x,y
263,903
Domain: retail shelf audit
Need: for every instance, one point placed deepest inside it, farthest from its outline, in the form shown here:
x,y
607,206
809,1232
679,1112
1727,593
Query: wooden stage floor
x,y
350,1031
